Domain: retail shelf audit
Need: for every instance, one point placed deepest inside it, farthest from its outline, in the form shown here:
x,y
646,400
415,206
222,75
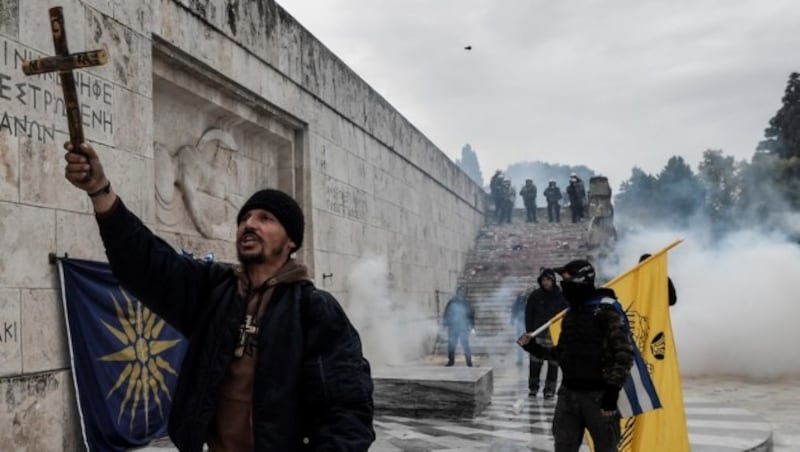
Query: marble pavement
x,y
724,415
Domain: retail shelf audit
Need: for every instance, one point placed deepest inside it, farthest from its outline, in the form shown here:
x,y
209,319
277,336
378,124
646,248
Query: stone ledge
x,y
432,392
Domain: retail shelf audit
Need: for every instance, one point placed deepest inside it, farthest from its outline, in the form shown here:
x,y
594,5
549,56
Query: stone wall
x,y
201,103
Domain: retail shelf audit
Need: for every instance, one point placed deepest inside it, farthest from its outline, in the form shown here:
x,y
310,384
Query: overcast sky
x,y
609,84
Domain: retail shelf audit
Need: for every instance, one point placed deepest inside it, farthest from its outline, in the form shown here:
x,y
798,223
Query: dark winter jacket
x,y
312,386
594,349
552,194
542,306
576,193
528,194
496,185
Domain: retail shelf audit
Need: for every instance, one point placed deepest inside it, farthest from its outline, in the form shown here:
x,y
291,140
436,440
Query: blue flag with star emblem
x,y
125,359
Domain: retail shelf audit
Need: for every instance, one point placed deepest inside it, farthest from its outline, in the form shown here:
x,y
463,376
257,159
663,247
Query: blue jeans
x,y
455,335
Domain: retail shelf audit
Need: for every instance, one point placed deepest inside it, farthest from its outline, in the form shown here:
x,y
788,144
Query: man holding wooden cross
x,y
273,363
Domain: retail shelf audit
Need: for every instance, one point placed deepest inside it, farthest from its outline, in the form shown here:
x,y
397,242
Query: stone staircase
x,y
505,261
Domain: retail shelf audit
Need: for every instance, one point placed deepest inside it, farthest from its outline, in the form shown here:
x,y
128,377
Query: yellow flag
x,y
642,291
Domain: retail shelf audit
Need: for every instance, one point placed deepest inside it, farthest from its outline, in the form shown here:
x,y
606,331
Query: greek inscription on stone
x,y
41,94
346,203
9,333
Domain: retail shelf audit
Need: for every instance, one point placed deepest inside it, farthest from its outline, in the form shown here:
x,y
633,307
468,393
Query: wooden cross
x,y
247,331
65,63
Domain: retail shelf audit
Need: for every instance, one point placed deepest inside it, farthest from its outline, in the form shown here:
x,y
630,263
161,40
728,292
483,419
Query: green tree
x,y
783,134
635,196
678,191
770,185
720,177
469,164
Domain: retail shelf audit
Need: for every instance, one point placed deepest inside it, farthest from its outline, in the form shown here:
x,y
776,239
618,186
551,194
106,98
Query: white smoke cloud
x,y
392,333
738,307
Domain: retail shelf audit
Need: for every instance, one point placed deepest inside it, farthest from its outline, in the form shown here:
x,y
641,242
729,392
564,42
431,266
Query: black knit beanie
x,y
283,206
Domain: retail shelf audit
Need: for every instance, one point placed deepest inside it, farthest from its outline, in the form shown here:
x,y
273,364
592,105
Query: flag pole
x,y
547,324
561,314
636,267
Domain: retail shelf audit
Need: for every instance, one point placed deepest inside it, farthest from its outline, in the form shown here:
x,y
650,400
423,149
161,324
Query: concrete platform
x,y
432,391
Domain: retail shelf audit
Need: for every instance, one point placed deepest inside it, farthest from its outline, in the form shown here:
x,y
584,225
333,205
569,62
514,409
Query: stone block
x,y
42,175
432,392
134,119
34,24
28,236
78,236
10,337
335,162
9,167
44,335
136,15
32,412
9,17
130,53
132,177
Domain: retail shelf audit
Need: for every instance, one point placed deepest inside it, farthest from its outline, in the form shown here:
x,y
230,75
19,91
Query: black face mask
x,y
577,293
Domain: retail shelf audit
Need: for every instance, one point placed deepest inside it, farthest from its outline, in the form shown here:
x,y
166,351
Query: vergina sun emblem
x,y
142,379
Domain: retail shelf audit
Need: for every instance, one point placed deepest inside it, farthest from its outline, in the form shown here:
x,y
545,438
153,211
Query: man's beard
x,y
251,259
262,257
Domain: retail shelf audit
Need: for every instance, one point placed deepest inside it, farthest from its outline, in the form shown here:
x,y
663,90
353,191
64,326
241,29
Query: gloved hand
x,y
610,396
529,344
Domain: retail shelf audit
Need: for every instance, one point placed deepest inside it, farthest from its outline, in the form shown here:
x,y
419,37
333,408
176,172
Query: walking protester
x,y
459,318
273,363
542,305
528,194
577,197
595,353
553,195
518,319
672,296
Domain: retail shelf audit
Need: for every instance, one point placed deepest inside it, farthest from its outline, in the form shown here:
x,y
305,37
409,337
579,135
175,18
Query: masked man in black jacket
x,y
273,364
595,354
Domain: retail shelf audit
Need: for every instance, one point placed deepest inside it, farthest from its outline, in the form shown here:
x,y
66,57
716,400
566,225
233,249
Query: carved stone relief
x,y
203,177
212,149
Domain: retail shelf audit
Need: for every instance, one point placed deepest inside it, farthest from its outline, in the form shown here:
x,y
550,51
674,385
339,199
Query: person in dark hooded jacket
x,y
273,364
459,318
543,303
595,353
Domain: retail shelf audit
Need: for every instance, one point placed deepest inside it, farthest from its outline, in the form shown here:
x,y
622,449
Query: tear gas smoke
x,y
392,332
738,308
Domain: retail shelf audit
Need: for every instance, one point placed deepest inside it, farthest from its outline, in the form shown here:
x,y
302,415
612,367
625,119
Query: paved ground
x,y
776,402
723,414
716,421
